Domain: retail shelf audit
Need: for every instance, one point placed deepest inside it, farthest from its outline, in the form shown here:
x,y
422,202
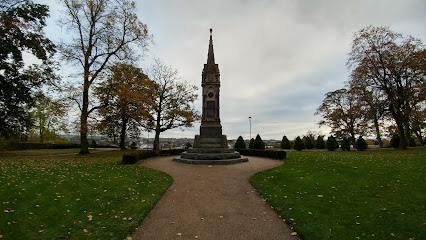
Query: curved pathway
x,y
212,202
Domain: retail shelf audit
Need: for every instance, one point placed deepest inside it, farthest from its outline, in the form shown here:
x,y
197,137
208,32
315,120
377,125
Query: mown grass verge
x,y
75,197
374,194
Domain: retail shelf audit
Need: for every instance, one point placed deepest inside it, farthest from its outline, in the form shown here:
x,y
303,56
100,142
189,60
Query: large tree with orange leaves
x,y
392,66
126,94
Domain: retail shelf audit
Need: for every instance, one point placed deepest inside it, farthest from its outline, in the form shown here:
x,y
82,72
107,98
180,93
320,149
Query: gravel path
x,y
212,202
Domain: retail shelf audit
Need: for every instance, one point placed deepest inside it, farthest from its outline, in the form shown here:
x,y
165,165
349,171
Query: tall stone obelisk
x,y
210,83
210,147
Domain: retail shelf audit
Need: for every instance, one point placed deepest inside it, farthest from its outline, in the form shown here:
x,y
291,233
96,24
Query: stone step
x,y
210,156
210,150
210,145
211,140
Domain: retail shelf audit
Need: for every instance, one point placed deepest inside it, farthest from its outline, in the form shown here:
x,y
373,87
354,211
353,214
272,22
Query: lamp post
x,y
250,127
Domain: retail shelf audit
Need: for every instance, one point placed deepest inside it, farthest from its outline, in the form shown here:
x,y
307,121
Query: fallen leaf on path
x,y
294,233
179,234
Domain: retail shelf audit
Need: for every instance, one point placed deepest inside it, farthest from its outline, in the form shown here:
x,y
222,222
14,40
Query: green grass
x,y
38,152
53,197
374,194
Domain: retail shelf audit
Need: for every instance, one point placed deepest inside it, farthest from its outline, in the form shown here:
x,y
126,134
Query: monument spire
x,y
210,57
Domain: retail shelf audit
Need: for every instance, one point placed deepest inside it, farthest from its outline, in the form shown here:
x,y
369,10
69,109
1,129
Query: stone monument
x,y
210,147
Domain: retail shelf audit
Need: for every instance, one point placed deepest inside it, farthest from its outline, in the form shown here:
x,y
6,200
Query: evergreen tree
x,y
298,144
332,144
361,144
395,141
240,144
251,144
308,143
345,145
320,144
285,143
258,143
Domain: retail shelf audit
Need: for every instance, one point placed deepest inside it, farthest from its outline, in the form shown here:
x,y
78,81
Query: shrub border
x,y
280,154
132,158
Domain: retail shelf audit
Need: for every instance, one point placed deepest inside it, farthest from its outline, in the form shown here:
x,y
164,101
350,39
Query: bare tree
x,y
105,30
173,100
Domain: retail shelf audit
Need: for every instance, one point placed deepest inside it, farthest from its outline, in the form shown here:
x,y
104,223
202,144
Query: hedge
x,y
133,157
263,153
42,145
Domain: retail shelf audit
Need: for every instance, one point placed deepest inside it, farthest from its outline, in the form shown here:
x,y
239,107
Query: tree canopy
x,y
392,66
21,30
172,101
127,96
103,31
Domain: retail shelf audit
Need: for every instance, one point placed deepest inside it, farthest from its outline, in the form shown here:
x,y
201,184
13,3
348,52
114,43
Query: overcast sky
x,y
277,59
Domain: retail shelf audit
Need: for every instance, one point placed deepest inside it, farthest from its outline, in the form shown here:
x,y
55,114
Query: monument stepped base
x,y
211,162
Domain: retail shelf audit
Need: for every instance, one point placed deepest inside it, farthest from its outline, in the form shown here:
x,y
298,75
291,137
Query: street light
x,y
250,127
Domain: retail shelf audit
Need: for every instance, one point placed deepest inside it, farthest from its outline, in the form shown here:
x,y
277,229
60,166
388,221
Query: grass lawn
x,y
71,196
374,194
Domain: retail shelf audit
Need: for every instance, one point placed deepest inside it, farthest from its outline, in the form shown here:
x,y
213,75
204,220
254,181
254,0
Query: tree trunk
x,y
403,140
377,127
123,133
157,137
407,132
397,116
419,137
83,120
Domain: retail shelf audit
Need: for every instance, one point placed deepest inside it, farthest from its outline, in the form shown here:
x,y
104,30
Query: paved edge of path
x,y
212,202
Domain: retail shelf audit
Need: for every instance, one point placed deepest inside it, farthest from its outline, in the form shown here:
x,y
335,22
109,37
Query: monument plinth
x,y
210,147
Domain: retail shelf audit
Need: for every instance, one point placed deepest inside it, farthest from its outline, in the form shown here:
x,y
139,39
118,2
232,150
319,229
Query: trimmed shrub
x,y
258,143
298,144
240,144
395,141
251,144
361,144
308,143
320,144
285,143
263,153
133,157
345,145
332,144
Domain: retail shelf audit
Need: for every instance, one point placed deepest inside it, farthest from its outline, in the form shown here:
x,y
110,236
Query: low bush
x,y
361,144
263,153
240,143
258,143
285,143
345,145
320,144
298,144
332,144
395,141
132,158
